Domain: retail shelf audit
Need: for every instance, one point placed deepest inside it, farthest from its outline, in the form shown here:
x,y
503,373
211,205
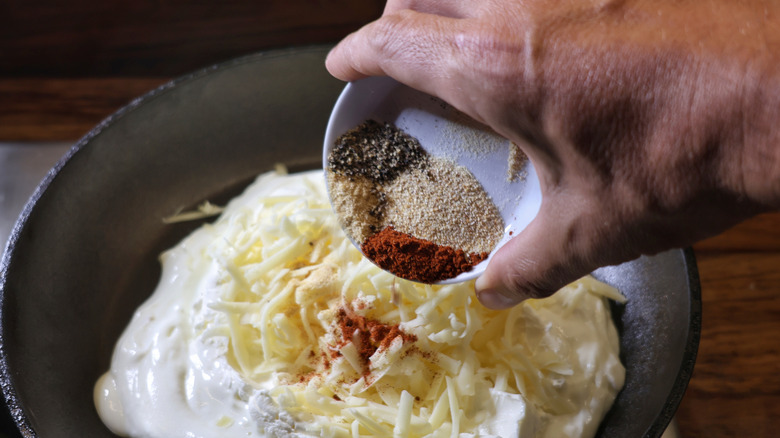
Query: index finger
x,y
412,47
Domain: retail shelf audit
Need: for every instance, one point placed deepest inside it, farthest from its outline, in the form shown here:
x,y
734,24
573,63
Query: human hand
x,y
651,124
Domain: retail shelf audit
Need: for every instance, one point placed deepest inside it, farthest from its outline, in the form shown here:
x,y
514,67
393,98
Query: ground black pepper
x,y
380,152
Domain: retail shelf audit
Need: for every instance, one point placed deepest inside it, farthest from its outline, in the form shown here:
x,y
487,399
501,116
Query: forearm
x,y
651,124
734,91
692,85
754,161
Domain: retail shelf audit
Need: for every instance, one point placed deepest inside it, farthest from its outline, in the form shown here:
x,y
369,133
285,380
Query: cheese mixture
x,y
270,323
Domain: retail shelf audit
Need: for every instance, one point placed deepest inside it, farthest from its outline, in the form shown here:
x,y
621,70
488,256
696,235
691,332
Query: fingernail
x,y
494,297
497,299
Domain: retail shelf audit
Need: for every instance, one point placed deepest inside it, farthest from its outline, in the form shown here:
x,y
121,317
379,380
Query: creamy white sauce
x,y
193,362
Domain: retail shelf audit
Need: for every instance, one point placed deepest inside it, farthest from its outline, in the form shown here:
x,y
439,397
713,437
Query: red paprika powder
x,y
417,259
371,335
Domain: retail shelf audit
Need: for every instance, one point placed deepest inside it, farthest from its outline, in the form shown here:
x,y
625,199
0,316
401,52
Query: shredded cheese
x,y
280,241
284,271
204,210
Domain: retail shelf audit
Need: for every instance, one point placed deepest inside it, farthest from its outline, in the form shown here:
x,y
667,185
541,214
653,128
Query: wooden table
x,y
735,390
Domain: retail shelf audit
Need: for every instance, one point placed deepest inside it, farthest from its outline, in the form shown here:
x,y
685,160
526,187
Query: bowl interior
x,y
445,132
84,253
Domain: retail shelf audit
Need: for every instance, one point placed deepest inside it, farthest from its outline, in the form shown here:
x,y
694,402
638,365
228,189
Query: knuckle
x,y
388,32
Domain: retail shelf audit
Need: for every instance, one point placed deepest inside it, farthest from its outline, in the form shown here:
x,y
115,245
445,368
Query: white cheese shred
x,y
404,418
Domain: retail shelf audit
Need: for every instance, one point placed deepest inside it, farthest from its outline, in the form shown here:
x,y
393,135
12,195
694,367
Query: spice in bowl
x,y
421,217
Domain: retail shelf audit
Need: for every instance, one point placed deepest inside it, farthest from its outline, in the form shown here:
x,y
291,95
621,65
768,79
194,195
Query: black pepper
x,y
379,152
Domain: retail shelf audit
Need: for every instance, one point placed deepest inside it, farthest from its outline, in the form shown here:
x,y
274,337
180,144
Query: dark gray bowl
x,y
83,254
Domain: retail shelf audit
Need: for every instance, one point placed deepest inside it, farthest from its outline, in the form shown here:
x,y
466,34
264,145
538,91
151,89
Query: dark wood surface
x,y
161,37
64,66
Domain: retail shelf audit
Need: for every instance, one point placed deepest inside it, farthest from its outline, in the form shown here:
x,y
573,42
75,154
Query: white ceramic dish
x,y
443,131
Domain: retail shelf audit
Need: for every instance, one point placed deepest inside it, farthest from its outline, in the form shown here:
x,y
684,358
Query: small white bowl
x,y
443,131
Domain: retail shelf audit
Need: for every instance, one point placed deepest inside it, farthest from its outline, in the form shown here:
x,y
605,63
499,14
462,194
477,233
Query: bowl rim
x,y
11,398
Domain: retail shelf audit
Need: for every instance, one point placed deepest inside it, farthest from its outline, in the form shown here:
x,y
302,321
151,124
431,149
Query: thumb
x,y
544,257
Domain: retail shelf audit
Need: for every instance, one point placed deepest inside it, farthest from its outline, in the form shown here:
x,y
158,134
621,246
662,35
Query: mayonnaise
x,y
270,323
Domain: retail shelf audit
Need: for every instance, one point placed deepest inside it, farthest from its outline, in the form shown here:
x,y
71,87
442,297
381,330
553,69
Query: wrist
x,y
752,164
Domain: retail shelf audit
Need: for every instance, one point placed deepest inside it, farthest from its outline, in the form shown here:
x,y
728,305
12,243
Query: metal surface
x,y
85,253
22,167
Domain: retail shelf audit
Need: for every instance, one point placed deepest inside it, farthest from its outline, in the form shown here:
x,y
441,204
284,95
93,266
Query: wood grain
x,y
51,38
63,109
761,233
735,389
